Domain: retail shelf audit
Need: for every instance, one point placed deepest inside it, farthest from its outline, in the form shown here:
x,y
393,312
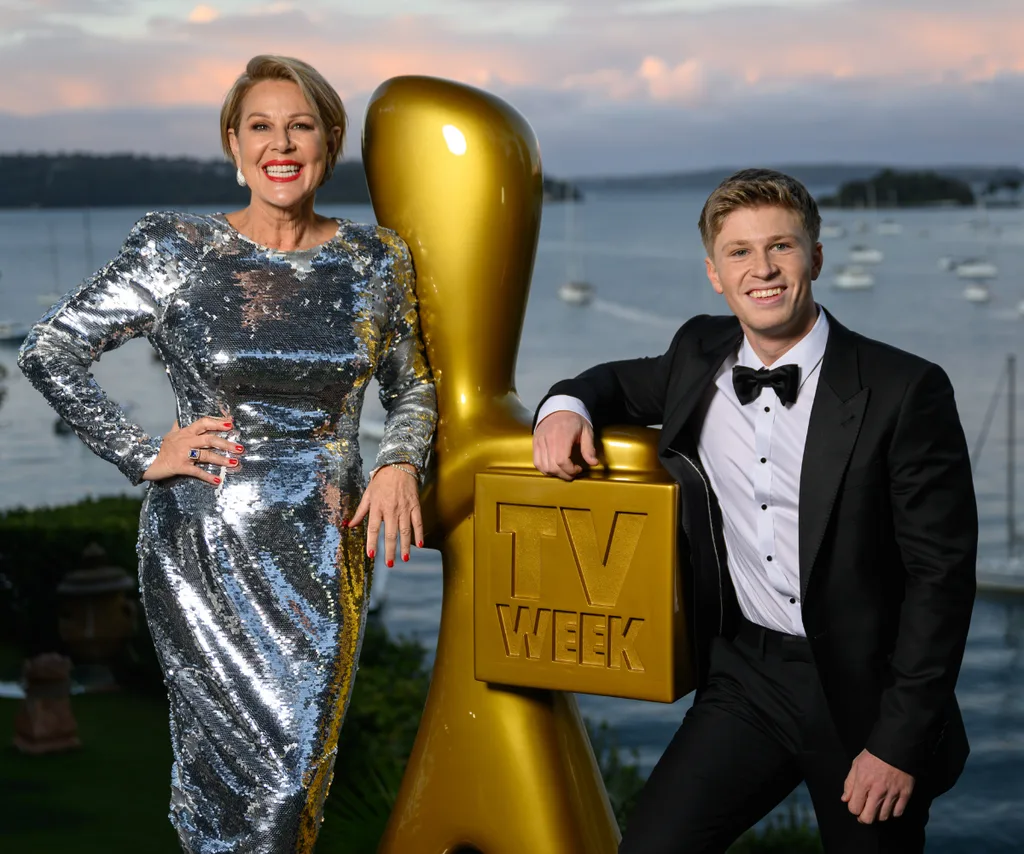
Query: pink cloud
x,y
671,58
203,14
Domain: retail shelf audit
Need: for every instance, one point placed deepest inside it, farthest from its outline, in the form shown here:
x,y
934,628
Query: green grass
x,y
109,796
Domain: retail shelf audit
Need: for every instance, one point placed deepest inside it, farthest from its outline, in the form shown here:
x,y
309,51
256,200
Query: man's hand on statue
x,y
874,789
554,440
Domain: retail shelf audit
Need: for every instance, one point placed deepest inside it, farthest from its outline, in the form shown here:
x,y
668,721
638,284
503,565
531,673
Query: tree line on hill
x,y
128,180
892,189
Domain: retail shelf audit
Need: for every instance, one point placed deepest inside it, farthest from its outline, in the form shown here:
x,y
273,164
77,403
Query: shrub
x,y
37,547
789,833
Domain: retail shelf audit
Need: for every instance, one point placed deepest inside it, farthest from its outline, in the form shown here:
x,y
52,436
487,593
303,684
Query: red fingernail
x,y
405,558
239,448
227,423
391,563
216,480
344,523
232,462
420,544
371,552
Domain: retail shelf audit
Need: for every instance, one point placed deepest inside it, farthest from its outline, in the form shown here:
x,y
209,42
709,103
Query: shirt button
x,y
764,459
792,601
764,506
769,558
767,409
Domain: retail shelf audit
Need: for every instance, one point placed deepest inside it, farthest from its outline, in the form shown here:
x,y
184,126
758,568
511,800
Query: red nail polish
x,y
216,480
420,544
239,448
232,462
391,563
405,558
371,552
227,424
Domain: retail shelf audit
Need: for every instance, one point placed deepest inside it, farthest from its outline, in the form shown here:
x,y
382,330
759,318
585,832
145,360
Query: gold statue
x,y
547,585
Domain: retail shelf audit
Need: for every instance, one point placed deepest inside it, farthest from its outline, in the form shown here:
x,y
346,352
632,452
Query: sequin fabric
x,y
254,591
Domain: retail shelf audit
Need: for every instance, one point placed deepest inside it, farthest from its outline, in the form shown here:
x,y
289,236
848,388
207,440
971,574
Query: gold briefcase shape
x,y
577,587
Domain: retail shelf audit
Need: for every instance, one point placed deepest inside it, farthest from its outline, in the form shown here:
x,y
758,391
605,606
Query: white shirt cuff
x,y
563,403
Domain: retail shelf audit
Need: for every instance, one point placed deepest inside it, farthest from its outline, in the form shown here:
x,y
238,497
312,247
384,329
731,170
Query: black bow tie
x,y
748,382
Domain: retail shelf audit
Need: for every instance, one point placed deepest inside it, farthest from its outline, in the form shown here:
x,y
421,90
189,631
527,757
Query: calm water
x,y
644,257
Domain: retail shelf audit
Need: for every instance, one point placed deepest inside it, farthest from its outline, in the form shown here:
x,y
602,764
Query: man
x,y
831,534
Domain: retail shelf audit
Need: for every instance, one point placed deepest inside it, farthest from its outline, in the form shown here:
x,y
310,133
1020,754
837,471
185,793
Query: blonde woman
x,y
254,562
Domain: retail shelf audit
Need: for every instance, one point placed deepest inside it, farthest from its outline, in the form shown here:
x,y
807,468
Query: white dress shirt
x,y
753,455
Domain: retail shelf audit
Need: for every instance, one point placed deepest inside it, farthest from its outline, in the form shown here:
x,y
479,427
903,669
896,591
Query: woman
x,y
253,560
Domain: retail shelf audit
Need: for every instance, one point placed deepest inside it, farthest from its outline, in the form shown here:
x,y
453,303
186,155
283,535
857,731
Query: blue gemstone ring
x,y
194,454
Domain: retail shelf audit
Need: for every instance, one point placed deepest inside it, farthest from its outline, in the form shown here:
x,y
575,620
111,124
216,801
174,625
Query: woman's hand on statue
x,y
184,448
392,498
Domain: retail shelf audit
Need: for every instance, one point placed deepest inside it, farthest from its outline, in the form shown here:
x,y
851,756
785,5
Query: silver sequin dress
x,y
254,591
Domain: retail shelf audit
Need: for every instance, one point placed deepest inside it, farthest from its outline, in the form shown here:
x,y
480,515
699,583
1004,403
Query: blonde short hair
x,y
753,188
321,95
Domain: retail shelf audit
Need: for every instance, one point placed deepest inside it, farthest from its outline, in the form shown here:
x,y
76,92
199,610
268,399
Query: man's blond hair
x,y
754,188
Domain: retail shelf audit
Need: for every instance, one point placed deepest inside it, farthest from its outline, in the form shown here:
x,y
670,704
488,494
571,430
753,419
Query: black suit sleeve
x,y
632,391
935,520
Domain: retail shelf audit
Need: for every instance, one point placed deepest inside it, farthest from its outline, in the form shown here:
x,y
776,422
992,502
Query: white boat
x,y
576,290
371,429
832,231
576,293
976,269
976,292
853,278
889,227
861,254
12,333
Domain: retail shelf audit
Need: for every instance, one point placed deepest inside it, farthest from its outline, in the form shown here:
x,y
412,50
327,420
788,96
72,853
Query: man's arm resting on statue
x,y
631,391
562,403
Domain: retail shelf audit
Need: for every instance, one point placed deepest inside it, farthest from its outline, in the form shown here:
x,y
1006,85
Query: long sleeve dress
x,y
254,591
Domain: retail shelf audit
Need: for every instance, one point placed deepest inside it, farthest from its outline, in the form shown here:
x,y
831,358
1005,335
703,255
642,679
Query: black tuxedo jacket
x,y
888,530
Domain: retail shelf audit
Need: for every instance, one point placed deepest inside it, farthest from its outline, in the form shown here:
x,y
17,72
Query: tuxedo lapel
x,y
836,417
716,341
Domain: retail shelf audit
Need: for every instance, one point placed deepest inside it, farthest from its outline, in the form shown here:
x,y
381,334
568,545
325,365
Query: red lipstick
x,y
284,171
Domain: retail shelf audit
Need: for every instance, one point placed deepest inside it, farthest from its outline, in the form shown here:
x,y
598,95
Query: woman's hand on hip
x,y
184,448
392,498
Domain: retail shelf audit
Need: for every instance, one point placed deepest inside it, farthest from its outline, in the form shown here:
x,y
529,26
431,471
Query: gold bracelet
x,y
413,474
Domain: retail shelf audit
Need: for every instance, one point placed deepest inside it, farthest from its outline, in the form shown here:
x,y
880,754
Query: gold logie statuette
x,y
496,768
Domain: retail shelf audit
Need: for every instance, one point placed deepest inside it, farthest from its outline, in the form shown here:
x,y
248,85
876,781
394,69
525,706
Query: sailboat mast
x,y
87,234
573,266
54,257
1011,430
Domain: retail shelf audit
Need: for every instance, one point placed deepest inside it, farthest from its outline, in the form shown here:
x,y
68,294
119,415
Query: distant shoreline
x,y
35,181
819,178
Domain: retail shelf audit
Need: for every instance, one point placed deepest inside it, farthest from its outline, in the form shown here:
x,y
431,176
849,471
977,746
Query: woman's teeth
x,y
282,171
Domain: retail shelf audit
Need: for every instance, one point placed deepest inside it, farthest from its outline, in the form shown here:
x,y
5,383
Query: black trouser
x,y
759,727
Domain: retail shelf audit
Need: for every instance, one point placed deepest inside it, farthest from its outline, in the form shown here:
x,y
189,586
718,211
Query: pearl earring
x,y
239,177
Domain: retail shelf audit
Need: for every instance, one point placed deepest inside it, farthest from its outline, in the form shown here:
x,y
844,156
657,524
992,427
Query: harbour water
x,y
643,256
